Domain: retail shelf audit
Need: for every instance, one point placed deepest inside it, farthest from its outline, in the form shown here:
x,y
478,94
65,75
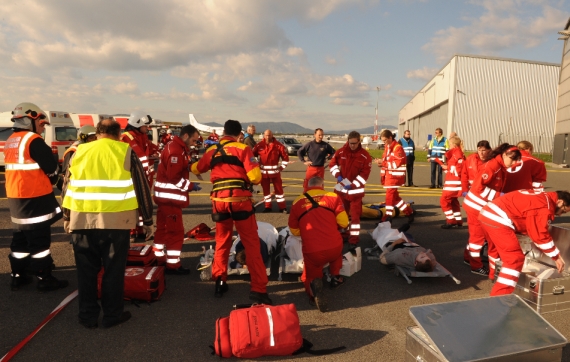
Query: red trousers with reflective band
x,y
312,172
169,235
476,238
506,247
247,230
394,200
451,208
314,263
353,206
278,186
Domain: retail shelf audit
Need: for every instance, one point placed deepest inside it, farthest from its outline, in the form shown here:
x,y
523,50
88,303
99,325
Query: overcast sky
x,y
313,62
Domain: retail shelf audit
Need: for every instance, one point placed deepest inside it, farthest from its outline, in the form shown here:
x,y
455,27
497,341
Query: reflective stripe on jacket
x,y
24,177
488,184
99,180
172,179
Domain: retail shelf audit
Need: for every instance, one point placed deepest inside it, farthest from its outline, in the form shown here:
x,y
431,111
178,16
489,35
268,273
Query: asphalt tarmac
x,y
369,314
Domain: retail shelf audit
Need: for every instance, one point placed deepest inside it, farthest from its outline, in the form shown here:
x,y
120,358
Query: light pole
x,y
376,122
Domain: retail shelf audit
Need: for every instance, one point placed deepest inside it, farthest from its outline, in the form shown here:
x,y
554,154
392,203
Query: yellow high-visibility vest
x,y
99,181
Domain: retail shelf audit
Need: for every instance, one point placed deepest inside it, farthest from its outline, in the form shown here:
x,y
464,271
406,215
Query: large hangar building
x,y
561,152
486,98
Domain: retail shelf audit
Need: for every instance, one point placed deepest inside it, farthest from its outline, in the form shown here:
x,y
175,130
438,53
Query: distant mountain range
x,y
294,128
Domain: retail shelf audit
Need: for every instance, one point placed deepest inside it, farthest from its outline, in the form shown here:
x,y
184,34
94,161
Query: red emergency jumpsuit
x,y
171,195
164,139
152,152
269,155
213,137
487,186
355,167
470,169
233,169
392,176
530,174
452,186
139,143
318,228
527,212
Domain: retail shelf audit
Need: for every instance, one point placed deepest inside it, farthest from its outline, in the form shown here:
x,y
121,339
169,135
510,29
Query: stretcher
x,y
267,233
290,253
384,234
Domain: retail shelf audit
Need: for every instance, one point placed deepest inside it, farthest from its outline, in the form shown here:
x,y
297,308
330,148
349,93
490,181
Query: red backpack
x,y
262,330
200,232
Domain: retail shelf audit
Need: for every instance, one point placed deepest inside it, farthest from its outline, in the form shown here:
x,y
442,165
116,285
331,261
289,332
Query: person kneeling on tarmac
x,y
316,216
407,254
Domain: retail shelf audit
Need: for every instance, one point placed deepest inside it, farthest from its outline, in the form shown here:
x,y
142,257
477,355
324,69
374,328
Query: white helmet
x,y
86,131
25,113
139,119
169,131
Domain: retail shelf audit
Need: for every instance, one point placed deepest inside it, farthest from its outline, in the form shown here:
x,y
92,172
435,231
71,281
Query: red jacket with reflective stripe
x,y
139,143
487,186
455,162
269,155
394,165
530,175
526,212
249,173
172,179
470,170
318,228
352,165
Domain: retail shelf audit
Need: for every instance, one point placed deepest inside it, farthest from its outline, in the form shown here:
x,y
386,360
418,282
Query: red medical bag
x,y
141,255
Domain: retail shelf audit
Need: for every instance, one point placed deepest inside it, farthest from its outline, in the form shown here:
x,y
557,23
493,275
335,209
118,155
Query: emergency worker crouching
x,y
30,172
171,195
233,168
316,216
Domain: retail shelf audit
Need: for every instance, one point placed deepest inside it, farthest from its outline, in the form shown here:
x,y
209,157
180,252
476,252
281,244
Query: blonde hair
x,y
525,146
455,140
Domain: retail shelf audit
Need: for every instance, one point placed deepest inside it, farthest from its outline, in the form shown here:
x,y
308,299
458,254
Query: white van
x,y
59,135
91,119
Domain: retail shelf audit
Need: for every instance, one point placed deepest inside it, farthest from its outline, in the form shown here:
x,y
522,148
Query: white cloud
x,y
424,73
504,24
126,88
406,93
276,103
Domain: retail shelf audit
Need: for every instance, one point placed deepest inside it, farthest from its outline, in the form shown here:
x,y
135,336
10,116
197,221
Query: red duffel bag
x,y
262,330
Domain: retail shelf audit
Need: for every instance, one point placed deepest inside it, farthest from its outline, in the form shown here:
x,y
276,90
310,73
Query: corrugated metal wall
x,y
505,101
563,111
426,124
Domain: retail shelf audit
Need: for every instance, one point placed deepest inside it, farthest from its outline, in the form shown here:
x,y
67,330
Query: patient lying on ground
x,y
409,255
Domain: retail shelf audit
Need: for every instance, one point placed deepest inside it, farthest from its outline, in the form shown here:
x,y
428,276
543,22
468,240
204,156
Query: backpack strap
x,y
306,347
225,158
315,206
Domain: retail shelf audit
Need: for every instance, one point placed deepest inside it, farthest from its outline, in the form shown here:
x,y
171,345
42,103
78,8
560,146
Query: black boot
x,y
221,288
19,280
47,282
260,298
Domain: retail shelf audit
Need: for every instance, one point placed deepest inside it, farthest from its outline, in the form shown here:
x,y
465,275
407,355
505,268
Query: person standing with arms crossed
x,y
409,148
436,149
317,153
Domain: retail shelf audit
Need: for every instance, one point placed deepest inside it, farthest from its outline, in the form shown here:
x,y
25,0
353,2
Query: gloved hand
x,y
339,178
348,187
148,231
196,186
66,226
464,194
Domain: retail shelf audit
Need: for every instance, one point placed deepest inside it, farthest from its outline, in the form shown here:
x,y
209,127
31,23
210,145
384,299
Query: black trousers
x,y
410,168
94,249
436,168
36,243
